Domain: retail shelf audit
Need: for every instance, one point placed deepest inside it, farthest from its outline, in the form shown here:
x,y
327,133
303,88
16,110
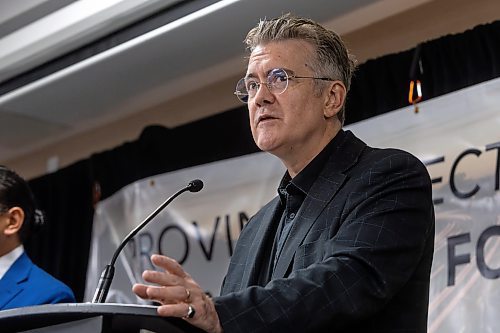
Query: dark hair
x,y
332,59
15,192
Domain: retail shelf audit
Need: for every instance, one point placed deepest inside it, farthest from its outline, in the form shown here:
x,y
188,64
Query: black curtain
x,y
159,149
61,246
449,63
380,85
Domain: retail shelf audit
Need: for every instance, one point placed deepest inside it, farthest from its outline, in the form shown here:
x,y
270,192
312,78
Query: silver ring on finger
x,y
191,312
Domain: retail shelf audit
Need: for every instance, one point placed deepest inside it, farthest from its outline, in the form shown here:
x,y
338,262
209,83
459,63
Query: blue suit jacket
x,y
26,284
358,256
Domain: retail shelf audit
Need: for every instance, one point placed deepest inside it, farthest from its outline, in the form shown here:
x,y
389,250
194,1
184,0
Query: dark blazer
x,y
25,284
358,256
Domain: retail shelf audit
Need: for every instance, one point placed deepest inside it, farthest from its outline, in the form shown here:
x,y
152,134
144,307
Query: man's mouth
x,y
265,118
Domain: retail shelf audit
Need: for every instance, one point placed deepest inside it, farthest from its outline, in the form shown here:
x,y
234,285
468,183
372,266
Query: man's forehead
x,y
291,53
282,45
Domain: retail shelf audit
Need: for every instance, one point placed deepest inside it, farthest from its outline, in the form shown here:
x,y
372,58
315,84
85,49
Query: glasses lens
x,y
241,91
278,80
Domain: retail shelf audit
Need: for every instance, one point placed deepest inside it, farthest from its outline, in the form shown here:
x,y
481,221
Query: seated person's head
x,y
18,213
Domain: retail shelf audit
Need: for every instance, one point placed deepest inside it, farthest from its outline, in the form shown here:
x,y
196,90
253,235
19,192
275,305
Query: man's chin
x,y
266,143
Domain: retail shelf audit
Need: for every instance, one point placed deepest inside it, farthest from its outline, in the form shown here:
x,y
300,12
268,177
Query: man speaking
x,y
347,243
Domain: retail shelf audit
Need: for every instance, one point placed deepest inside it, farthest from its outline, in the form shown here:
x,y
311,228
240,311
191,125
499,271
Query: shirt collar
x,y
306,178
7,260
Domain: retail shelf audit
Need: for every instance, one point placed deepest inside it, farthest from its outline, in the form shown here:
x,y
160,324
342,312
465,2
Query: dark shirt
x,y
292,193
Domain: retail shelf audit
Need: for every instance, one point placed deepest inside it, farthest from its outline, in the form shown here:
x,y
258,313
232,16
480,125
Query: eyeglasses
x,y
276,81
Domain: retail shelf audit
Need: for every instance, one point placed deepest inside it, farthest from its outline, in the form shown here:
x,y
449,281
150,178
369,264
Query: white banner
x,y
457,136
197,229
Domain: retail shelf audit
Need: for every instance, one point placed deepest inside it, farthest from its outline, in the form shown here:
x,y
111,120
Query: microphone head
x,y
195,185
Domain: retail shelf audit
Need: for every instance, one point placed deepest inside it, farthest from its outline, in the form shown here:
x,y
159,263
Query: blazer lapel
x,y
263,235
322,192
313,205
11,283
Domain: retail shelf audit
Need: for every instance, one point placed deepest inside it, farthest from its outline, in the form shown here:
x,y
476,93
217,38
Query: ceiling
x,y
199,43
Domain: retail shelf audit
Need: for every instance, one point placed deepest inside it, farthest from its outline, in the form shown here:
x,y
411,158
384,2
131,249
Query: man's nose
x,y
263,95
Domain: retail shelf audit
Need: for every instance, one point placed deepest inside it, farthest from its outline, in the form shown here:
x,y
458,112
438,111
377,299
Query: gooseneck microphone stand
x,y
107,274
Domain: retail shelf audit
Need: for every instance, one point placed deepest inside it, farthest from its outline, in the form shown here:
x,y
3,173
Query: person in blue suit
x,y
22,283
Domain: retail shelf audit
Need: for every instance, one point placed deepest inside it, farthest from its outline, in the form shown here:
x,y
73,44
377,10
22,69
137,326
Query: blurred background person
x,y
22,283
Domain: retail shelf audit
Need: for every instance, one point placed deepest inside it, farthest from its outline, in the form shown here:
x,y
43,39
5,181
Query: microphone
x,y
107,274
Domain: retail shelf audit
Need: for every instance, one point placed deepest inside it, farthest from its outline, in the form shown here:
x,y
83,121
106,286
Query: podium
x,y
90,317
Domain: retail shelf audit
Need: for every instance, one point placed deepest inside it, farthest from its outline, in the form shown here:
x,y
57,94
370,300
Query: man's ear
x,y
15,221
334,99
